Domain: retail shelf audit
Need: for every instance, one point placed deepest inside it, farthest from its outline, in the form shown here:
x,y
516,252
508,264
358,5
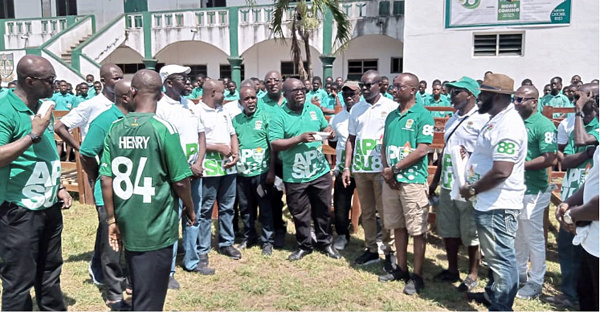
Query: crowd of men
x,y
162,149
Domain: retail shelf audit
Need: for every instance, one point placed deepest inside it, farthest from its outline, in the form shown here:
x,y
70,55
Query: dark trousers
x,y
149,273
311,200
277,202
587,287
31,253
249,200
114,281
342,201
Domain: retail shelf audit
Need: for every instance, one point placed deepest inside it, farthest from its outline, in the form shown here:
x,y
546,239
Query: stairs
x,y
66,57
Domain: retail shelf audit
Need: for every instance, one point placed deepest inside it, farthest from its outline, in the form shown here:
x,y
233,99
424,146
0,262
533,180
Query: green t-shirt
x,y
558,101
196,93
388,95
143,156
402,134
321,94
541,138
254,146
64,102
575,177
79,99
33,179
269,105
93,145
304,162
231,96
430,101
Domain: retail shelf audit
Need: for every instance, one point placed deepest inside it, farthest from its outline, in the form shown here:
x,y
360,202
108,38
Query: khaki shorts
x,y
407,207
454,219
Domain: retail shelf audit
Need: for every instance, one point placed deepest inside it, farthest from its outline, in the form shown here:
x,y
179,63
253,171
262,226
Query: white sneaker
x,y
340,243
529,291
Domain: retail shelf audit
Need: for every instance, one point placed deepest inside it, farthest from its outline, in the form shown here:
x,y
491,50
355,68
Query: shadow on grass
x,y
69,301
84,256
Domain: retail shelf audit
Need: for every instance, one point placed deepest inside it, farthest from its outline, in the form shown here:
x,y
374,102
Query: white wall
x,y
105,10
378,47
123,55
268,55
434,52
28,9
194,53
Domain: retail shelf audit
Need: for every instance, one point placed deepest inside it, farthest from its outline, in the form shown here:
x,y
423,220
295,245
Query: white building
x,y
229,38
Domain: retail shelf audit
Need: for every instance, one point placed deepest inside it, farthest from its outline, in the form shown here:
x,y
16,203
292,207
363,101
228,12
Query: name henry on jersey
x,y
133,142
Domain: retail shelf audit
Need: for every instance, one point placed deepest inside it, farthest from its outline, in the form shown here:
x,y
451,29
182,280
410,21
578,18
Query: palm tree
x,y
305,20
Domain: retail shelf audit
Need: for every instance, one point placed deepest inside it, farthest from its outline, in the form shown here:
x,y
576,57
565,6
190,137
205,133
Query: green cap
x,y
466,83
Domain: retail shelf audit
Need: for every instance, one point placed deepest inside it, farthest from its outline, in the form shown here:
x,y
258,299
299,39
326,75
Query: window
x,y
131,6
396,65
216,3
356,68
384,8
225,71
66,7
510,44
289,69
399,8
131,68
7,9
196,70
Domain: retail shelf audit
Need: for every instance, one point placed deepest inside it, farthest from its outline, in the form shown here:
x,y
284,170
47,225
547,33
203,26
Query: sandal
x,y
467,285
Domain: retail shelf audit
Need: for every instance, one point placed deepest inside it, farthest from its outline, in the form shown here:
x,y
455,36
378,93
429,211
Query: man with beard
x,y
495,181
306,174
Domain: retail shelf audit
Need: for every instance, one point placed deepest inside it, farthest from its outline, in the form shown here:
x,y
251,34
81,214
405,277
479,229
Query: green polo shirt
x,y
252,132
261,94
80,99
321,94
430,101
32,179
388,95
304,162
231,96
64,102
558,101
93,145
541,138
270,105
402,134
575,177
196,93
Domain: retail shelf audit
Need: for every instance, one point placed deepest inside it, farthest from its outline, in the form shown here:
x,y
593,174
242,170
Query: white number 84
x,y
147,191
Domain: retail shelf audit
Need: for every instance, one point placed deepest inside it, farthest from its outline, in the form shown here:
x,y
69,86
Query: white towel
x,y
459,165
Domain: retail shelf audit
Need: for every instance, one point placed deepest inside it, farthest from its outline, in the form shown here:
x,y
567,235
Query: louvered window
x,y
510,44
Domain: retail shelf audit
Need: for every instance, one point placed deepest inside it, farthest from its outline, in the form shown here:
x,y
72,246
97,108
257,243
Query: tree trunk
x,y
295,48
305,38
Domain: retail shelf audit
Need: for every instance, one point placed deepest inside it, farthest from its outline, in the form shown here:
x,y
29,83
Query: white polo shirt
x,y
185,116
86,112
465,135
503,138
217,130
367,123
233,109
565,128
339,124
590,234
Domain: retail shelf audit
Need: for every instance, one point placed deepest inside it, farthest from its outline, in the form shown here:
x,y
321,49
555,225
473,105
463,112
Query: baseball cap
x,y
352,85
466,83
168,70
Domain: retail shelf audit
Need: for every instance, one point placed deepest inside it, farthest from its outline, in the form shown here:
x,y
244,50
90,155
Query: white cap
x,y
168,70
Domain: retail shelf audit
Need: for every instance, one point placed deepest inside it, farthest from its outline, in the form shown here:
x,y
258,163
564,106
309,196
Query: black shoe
x,y
479,298
119,306
173,284
331,252
203,259
267,250
231,252
389,264
279,238
367,258
446,276
395,275
247,244
414,285
299,254
202,268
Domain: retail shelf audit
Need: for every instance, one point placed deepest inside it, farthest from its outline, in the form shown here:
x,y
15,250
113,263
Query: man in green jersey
x,y
406,138
197,91
293,133
555,98
30,196
316,94
271,103
84,94
64,100
384,87
256,172
143,171
436,99
530,244
92,146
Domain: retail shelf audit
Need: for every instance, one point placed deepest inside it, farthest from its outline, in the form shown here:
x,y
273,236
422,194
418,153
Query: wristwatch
x,y
579,113
567,217
472,190
395,170
35,138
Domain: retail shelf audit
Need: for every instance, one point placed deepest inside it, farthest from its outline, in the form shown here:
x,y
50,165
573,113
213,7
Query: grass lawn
x,y
315,283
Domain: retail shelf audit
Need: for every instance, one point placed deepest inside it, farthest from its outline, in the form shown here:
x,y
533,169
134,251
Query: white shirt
x,y
503,138
184,115
339,124
465,135
86,112
590,235
565,128
233,109
217,130
367,123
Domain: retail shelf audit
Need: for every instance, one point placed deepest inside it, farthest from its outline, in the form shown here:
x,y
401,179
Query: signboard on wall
x,y
482,13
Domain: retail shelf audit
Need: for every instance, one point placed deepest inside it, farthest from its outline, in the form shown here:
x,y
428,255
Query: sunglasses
x,y
49,80
521,100
456,91
367,85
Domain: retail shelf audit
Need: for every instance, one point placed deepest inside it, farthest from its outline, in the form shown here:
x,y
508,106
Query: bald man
x,y
530,244
104,255
142,165
30,200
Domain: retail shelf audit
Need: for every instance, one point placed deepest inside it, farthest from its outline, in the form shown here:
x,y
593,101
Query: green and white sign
x,y
482,13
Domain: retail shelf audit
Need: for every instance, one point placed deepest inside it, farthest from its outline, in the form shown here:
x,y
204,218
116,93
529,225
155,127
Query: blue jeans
x,y
569,258
221,189
497,230
190,233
